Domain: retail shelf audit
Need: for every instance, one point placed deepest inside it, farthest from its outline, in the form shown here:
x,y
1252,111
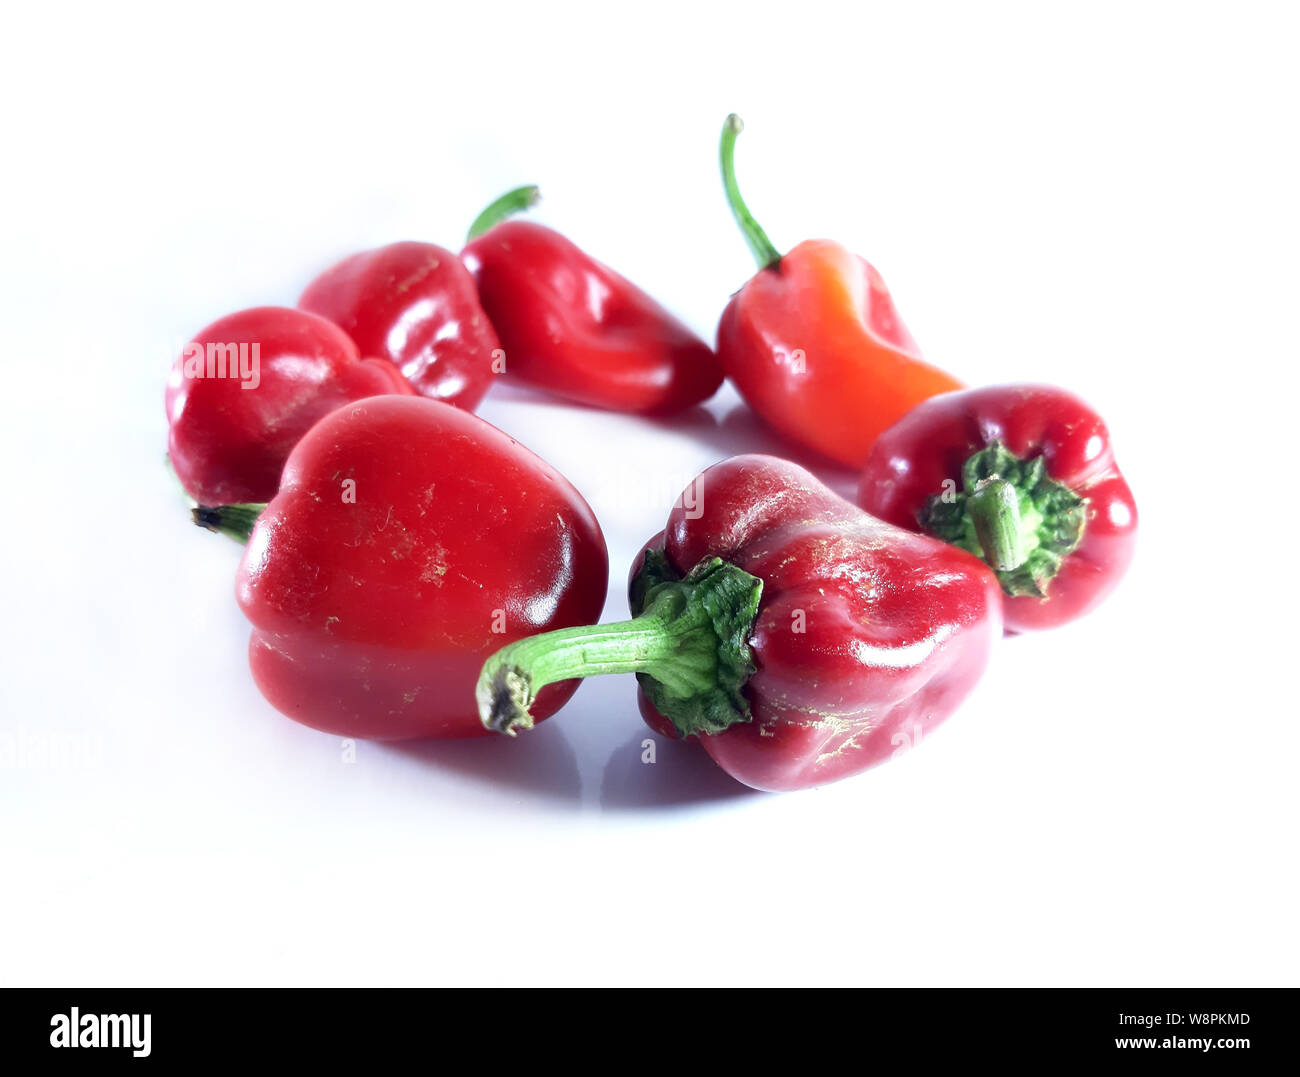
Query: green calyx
x,y
688,644
728,598
1013,516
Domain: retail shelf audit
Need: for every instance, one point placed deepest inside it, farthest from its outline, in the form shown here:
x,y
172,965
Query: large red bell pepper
x,y
408,541
575,327
246,389
813,341
800,639
1021,475
415,305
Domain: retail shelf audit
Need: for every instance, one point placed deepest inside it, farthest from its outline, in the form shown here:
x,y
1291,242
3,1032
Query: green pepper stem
x,y
233,521
765,253
511,678
654,643
994,507
688,642
510,203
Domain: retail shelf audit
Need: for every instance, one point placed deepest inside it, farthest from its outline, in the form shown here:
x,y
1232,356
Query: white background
x,y
1103,196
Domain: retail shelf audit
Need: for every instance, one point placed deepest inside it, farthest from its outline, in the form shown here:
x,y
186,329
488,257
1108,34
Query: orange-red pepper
x,y
814,343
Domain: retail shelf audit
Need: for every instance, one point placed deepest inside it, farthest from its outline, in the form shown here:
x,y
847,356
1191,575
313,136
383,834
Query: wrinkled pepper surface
x,y
798,638
415,305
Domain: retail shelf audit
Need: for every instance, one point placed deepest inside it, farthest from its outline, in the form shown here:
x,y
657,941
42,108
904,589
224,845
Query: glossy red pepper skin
x,y
912,462
415,305
797,638
817,349
228,442
371,618
896,630
576,328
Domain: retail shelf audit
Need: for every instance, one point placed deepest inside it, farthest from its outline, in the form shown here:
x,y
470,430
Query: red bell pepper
x,y
813,341
408,541
798,638
415,305
577,328
1021,475
246,389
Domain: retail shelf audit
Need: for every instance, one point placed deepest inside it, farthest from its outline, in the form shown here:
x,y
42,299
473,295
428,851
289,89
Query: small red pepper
x,y
575,327
246,389
1021,475
408,541
813,341
415,305
798,638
